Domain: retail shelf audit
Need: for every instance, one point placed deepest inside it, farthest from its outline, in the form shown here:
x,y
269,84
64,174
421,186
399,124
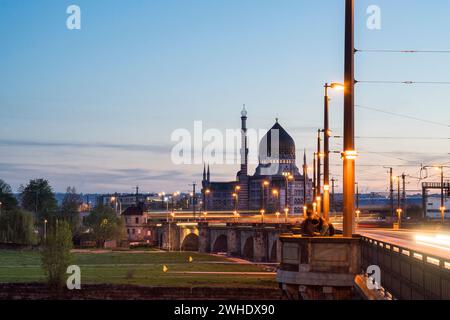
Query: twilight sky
x,y
95,108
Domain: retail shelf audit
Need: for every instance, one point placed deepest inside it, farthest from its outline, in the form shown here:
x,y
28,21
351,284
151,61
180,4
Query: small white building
x,y
434,205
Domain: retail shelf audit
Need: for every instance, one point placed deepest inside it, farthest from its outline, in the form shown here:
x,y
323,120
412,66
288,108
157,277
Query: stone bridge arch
x,y
220,244
248,250
189,240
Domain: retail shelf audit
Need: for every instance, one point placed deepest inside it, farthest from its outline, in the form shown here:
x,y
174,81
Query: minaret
x,y
244,148
243,178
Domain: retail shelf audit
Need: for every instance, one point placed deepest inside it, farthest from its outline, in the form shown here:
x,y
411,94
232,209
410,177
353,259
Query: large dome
x,y
286,145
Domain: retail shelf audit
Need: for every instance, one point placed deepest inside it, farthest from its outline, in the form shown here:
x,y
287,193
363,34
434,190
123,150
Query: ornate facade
x,y
276,185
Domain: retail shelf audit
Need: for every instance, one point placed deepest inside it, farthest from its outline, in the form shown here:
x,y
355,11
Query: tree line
x,y
29,218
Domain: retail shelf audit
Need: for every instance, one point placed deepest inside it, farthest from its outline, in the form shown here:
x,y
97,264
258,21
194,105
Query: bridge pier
x,y
204,238
170,236
233,241
260,245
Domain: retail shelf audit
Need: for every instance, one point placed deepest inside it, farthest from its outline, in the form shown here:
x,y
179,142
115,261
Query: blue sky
x,y
95,107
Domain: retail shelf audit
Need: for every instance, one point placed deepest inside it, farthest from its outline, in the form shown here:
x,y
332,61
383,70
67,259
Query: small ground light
x,y
165,268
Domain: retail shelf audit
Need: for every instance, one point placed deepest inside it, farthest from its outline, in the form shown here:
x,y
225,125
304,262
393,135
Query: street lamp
x,y
262,215
277,214
264,184
45,229
276,194
287,176
286,212
236,216
326,148
305,209
358,213
399,217
205,199
236,197
0,208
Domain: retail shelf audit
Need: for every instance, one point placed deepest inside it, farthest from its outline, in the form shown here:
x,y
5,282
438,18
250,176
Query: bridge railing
x,y
407,274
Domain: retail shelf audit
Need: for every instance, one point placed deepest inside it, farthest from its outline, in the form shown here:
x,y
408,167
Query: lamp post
x,y
442,208
287,177
236,216
262,215
319,156
236,191
358,212
326,149
45,229
276,194
174,195
207,192
264,185
0,208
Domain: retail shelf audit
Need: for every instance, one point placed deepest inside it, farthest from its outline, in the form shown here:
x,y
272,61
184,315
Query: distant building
x,y
136,224
433,208
266,188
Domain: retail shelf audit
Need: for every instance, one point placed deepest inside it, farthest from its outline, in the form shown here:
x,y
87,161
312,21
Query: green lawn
x,y
139,268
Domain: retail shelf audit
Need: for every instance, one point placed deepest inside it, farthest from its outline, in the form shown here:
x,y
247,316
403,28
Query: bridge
x,y
412,263
253,241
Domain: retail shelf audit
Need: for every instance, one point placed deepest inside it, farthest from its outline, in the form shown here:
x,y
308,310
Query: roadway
x,y
433,242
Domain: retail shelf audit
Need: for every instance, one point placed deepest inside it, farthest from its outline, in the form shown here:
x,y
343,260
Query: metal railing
x,y
407,274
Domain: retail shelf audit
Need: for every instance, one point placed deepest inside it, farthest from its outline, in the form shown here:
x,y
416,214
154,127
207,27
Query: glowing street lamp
x,y
45,228
442,209
265,184
288,177
318,202
236,216
358,213
262,211
277,214
305,209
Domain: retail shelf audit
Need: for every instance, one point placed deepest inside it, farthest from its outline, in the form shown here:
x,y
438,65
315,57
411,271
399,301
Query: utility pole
x,y
442,195
349,153
314,177
319,154
404,194
399,209
391,189
326,158
357,195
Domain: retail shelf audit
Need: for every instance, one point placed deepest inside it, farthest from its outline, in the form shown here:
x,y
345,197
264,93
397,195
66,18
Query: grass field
x,y
137,268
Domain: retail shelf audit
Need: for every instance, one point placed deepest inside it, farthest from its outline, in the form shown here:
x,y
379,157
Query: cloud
x,y
63,144
91,179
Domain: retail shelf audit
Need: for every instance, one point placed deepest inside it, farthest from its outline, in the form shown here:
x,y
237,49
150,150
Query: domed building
x,y
276,185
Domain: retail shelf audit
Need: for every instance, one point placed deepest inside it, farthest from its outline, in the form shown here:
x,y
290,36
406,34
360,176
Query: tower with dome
x,y
276,185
